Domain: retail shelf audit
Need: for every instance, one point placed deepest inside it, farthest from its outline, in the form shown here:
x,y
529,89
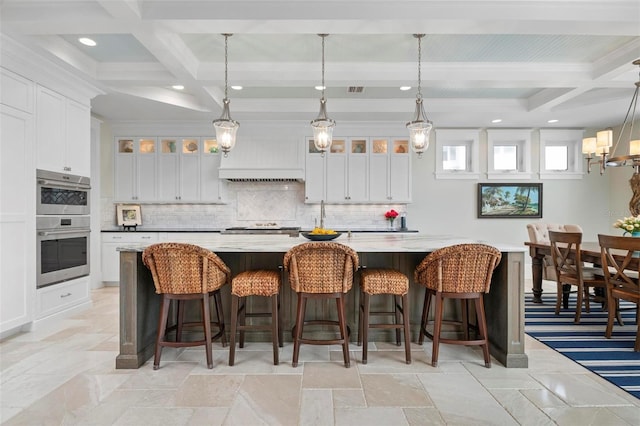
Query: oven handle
x,y
67,231
57,183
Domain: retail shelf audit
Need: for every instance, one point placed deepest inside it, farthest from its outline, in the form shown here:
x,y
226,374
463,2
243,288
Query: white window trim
x,y
518,137
458,137
572,139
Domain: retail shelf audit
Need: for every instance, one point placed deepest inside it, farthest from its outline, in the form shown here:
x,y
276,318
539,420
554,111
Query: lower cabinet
x,y
57,298
110,264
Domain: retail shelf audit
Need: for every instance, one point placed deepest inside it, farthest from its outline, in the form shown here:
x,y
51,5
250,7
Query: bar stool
x,y
186,272
461,271
384,282
260,282
321,270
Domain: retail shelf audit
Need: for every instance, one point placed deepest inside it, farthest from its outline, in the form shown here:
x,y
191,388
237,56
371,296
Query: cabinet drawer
x,y
129,237
58,297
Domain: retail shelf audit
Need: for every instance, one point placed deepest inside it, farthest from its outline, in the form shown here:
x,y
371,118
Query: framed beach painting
x,y
510,200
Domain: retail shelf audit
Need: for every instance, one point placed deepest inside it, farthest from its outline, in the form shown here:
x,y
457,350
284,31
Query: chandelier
x,y
601,144
322,125
225,126
420,127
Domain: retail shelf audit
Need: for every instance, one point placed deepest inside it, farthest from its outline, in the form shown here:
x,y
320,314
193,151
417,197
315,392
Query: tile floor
x,y
65,375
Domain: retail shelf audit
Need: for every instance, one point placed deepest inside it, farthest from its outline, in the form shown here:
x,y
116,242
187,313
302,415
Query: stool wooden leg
x,y
280,334
206,322
360,315
162,328
220,316
398,314
436,329
298,329
406,324
274,329
425,316
234,328
465,317
343,330
242,319
180,319
365,325
482,325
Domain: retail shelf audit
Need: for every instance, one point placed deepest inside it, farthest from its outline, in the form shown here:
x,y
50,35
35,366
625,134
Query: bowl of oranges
x,y
321,234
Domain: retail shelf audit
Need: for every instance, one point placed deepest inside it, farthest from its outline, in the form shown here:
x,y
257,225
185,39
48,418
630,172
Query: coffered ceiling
x,y
524,62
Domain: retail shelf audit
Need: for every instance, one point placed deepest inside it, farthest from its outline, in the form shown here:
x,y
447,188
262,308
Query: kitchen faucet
x,y
322,215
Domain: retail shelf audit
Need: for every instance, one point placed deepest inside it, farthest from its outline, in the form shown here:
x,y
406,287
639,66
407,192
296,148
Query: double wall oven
x,y
62,227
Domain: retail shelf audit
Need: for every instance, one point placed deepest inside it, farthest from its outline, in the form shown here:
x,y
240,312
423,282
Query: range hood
x,y
265,161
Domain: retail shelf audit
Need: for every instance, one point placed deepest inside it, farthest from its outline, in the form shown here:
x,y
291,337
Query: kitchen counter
x,y
139,305
187,230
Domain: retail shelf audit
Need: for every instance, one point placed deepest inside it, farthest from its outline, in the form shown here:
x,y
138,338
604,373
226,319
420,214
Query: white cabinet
x,y
390,171
135,169
167,170
17,217
340,175
60,297
347,171
63,133
110,262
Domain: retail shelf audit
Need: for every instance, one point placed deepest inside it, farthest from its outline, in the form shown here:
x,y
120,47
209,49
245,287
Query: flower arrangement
x,y
391,215
629,224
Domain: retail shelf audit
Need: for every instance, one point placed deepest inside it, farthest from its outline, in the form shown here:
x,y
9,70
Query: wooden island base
x,y
504,304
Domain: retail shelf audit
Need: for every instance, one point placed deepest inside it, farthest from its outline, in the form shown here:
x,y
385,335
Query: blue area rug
x,y
613,359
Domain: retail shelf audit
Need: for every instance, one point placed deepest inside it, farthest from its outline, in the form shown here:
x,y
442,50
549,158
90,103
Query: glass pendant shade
x,y
323,128
419,129
226,129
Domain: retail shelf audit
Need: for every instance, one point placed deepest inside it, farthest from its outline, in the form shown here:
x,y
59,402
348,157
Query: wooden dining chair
x,y
570,271
620,259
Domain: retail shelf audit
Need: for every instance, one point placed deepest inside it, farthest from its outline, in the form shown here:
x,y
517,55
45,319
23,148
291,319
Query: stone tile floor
x,y
64,374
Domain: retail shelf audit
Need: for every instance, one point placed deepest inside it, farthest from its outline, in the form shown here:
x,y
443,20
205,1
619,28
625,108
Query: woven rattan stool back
x,y
321,267
179,268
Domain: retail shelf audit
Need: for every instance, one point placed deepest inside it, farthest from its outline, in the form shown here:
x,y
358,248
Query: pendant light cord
x,y
323,37
226,38
419,95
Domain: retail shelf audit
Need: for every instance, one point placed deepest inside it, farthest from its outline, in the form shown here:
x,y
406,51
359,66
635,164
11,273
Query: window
x,y
509,154
560,154
457,153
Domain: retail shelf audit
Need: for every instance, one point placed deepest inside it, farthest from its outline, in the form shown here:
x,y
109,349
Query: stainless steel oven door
x,y
62,248
60,193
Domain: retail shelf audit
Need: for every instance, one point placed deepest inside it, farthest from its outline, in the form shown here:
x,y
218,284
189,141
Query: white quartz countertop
x,y
361,242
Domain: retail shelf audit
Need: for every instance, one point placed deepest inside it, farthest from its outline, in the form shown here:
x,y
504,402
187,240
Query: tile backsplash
x,y
251,203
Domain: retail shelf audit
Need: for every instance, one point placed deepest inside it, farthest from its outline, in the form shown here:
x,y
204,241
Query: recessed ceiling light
x,y
178,86
552,121
236,87
405,88
497,120
320,87
87,41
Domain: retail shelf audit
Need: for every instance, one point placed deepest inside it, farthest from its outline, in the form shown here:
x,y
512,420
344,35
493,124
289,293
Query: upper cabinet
x,y
63,133
359,170
167,170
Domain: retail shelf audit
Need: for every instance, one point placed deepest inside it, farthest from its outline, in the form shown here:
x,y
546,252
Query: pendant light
x,y
420,127
225,126
322,125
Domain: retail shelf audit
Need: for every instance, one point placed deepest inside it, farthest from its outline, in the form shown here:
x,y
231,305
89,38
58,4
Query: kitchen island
x,y
139,305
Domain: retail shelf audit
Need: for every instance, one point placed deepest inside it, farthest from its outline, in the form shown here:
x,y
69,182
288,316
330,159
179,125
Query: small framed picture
x,y
128,214
509,200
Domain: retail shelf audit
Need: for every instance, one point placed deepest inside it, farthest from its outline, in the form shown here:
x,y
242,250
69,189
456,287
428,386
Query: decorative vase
x,y
391,220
